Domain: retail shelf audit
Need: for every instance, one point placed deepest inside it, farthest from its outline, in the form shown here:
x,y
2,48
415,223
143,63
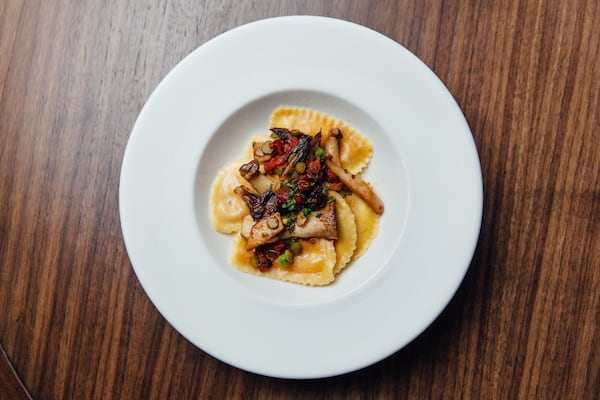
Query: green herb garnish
x,y
319,153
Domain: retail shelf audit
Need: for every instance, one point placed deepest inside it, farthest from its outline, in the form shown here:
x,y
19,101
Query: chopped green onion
x,y
319,153
288,220
294,188
289,205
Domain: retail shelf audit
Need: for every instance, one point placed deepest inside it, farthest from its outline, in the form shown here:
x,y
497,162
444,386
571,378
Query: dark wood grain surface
x,y
11,386
74,319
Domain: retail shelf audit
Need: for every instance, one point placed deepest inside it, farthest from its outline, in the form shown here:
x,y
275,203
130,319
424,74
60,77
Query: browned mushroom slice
x,y
247,224
250,170
354,182
259,205
332,147
318,224
264,230
301,153
251,173
261,183
358,187
262,150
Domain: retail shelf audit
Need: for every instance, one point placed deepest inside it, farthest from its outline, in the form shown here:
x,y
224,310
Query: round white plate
x,y
425,168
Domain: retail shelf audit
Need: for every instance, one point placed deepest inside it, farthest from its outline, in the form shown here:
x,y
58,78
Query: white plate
x,y
425,167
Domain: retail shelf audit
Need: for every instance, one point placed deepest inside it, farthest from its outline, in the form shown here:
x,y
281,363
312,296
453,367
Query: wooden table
x,y
75,322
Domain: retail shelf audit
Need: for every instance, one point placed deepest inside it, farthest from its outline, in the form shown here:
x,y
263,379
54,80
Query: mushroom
x,y
332,148
318,224
357,186
259,205
259,181
262,150
264,230
354,182
301,153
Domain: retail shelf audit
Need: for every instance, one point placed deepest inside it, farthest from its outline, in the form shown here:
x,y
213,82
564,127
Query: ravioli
x,y
355,149
316,260
314,266
346,243
367,224
227,209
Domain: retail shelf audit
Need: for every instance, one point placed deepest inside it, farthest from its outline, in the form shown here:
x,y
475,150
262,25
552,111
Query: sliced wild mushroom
x,y
318,224
301,219
281,133
301,154
259,205
267,147
262,183
250,170
332,147
357,186
247,224
259,181
353,182
264,230
262,151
